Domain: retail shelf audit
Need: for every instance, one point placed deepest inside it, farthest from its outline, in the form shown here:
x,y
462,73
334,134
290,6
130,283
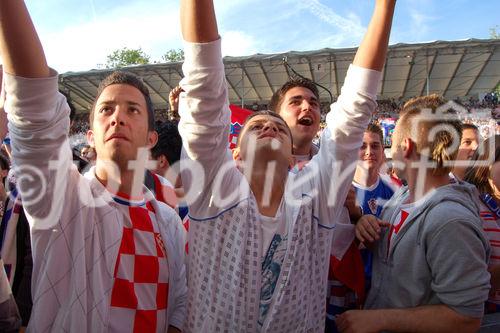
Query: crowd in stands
x,y
147,222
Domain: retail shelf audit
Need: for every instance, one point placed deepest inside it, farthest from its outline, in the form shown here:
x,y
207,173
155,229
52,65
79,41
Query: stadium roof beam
x,y
179,72
386,64
83,97
251,81
311,69
80,92
427,84
411,63
337,89
156,91
234,88
74,101
286,69
163,80
480,72
459,63
267,78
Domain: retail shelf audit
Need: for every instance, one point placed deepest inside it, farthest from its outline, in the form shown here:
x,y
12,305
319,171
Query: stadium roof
x,y
455,69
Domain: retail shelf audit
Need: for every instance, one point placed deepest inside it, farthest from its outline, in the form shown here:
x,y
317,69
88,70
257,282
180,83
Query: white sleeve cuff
x,y
363,80
203,55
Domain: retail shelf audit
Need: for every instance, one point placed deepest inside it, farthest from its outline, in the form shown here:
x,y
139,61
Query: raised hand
x,y
173,100
20,49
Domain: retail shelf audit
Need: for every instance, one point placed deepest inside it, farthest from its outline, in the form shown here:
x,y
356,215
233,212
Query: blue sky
x,y
78,35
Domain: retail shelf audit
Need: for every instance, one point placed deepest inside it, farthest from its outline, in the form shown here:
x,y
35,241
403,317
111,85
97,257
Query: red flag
x,y
238,117
350,271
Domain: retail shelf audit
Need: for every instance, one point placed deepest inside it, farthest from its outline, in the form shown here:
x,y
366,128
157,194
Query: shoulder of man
x,y
451,212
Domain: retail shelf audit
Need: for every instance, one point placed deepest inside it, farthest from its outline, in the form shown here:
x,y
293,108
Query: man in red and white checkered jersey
x,y
107,256
140,289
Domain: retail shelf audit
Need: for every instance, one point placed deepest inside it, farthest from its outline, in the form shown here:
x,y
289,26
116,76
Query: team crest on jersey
x,y
159,242
372,204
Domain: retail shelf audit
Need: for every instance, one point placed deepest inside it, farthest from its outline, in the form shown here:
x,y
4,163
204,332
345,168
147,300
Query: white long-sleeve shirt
x,y
225,237
76,226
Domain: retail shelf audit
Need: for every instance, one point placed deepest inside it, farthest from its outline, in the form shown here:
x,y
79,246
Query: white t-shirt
x,y
271,226
274,244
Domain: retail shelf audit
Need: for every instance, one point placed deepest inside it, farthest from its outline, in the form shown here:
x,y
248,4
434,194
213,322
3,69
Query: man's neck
x,y
366,178
302,149
420,186
459,173
268,187
118,183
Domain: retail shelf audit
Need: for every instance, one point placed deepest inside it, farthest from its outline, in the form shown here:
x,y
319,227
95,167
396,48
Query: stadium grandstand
x,y
466,71
455,69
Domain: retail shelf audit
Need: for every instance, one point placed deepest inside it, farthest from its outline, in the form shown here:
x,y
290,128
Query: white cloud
x,y
237,43
350,27
84,46
420,24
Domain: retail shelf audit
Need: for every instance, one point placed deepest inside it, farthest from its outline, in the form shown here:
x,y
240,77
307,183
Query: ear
x,y
408,147
163,162
237,157
236,154
152,139
90,138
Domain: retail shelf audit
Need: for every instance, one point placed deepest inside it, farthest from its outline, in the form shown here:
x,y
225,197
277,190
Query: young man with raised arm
x,y
107,257
259,235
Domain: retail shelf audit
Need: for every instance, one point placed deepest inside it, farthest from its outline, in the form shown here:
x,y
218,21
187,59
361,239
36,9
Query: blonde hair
x,y
431,123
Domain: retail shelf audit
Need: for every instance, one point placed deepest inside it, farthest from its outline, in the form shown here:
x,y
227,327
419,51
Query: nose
x,y
118,117
306,105
270,127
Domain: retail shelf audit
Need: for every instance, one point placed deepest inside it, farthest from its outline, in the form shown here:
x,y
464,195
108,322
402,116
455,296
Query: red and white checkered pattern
x,y
140,288
491,227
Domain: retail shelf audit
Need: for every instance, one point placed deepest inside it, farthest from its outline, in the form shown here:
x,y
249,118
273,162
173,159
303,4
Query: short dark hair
x,y
120,77
376,129
169,142
469,126
264,113
279,95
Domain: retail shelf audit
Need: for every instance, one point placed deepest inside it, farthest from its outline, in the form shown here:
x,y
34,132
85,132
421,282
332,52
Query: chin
x,y
268,153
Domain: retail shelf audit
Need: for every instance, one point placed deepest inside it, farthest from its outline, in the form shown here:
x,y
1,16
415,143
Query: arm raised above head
x,y
198,22
20,48
372,51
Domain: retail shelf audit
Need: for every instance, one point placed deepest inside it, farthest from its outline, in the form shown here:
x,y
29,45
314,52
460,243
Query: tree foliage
x,y
173,55
126,57
494,34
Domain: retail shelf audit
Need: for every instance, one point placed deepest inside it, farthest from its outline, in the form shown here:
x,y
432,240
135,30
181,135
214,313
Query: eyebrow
x,y
296,97
112,102
277,122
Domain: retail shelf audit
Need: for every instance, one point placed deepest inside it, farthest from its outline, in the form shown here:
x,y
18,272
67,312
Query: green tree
x,y
494,34
126,57
173,55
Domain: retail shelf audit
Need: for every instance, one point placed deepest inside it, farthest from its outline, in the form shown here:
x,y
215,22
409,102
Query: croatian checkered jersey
x,y
99,263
